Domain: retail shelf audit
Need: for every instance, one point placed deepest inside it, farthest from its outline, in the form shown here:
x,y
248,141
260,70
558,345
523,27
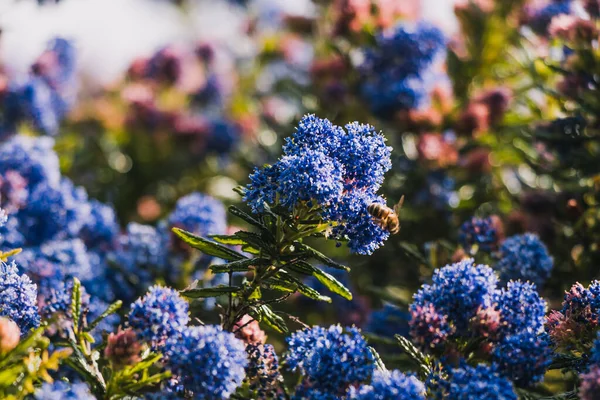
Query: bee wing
x,y
398,206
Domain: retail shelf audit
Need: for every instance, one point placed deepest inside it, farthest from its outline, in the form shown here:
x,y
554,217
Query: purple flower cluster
x,y
206,361
332,170
397,73
46,96
524,257
159,315
329,359
574,327
463,303
262,371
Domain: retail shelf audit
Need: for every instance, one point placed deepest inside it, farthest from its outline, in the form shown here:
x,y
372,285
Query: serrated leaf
x,y
250,249
303,288
301,267
280,284
271,319
415,354
323,258
237,266
247,217
229,240
332,284
208,247
216,291
113,308
378,362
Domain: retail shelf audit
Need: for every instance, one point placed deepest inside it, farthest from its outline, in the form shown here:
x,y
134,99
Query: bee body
x,y
386,217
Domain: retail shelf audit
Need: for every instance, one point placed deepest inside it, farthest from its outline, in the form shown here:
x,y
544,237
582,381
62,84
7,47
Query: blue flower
x,y
157,316
46,97
18,298
396,72
458,291
336,172
480,232
524,257
470,383
330,359
101,228
200,214
521,308
140,254
61,390
523,357
223,136
390,385
307,177
207,361
32,158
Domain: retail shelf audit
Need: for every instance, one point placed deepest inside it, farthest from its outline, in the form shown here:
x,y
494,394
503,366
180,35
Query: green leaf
x,y
247,217
271,319
300,267
237,266
280,284
113,308
216,291
302,288
208,247
142,365
378,362
254,240
76,303
251,250
230,240
323,258
332,284
415,354
4,256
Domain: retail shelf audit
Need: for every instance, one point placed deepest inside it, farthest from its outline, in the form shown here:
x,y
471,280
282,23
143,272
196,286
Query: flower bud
x,y
123,348
10,335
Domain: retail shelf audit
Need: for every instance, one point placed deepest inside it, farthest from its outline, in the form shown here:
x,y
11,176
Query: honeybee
x,y
386,217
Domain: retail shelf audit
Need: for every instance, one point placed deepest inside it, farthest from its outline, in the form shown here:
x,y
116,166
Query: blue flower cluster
x,y
397,72
329,359
463,303
61,390
479,232
63,234
332,170
390,385
590,381
467,383
159,315
45,97
524,257
200,214
207,361
18,298
458,291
